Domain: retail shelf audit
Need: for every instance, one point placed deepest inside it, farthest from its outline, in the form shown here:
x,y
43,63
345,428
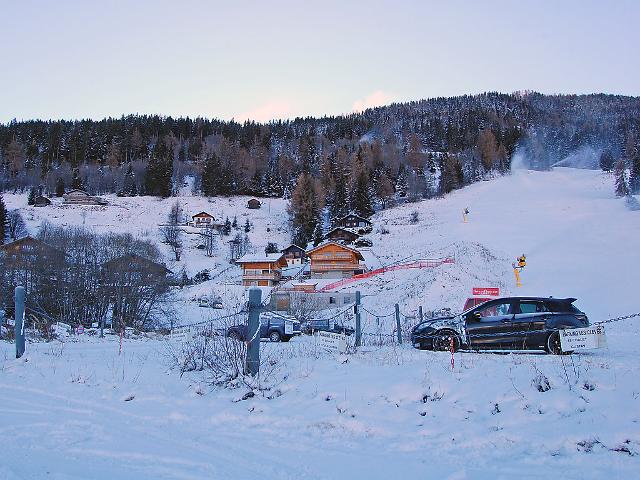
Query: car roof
x,y
553,299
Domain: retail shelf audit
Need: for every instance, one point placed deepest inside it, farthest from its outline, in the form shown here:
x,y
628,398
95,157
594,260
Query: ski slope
x,y
80,410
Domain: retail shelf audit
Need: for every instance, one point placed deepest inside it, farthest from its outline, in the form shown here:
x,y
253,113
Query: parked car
x,y
514,323
363,242
275,327
310,326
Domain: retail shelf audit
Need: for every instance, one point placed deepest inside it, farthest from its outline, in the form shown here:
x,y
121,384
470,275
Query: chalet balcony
x,y
324,267
273,276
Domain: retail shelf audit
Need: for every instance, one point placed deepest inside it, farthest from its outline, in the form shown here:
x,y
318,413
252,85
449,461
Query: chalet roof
x,y
261,258
26,240
75,190
343,230
339,245
203,214
352,214
293,246
132,258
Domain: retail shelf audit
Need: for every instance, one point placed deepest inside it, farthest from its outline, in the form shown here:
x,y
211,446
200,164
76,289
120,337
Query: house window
x,y
347,300
332,299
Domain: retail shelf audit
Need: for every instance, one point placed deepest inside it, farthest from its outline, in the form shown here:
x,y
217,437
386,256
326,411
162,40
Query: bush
x,y
414,217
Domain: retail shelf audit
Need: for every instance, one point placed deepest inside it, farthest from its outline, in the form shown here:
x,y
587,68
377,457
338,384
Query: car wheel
x,y
442,341
274,337
553,344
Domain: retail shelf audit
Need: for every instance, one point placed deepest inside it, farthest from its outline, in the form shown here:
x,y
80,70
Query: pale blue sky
x,y
265,59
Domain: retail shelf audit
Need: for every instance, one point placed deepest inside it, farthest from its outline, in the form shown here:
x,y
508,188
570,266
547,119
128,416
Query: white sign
x,y
288,327
334,342
182,334
582,338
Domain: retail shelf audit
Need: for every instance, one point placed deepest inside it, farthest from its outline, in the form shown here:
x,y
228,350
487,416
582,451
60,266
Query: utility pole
x,y
420,317
358,325
19,320
253,332
398,324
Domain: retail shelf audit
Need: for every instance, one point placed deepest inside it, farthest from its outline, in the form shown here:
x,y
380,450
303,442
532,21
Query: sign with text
x,y
288,327
183,334
334,342
486,292
582,338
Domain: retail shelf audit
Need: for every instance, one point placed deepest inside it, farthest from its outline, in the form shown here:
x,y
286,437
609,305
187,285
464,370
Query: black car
x,y
515,323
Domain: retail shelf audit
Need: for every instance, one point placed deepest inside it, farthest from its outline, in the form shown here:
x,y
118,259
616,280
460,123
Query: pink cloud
x,y
376,99
272,110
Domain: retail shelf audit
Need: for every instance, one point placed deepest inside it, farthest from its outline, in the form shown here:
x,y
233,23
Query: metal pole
x,y
253,349
19,320
102,328
398,324
358,325
420,317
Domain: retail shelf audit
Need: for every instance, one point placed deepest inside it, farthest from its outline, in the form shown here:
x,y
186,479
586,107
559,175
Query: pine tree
x,y
402,182
606,161
634,177
247,226
210,176
32,196
304,210
76,181
622,189
159,172
59,187
339,198
234,224
226,230
318,235
4,221
361,198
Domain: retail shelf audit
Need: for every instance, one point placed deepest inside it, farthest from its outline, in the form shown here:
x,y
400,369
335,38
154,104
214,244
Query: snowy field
x,y
81,410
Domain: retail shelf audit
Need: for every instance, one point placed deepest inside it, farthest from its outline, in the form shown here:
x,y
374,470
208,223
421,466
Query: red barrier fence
x,y
390,268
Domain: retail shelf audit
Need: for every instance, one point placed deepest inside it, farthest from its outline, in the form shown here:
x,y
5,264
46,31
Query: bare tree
x,y
209,240
16,226
172,231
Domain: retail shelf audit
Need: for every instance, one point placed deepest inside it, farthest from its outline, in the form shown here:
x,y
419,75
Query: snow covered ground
x,y
79,409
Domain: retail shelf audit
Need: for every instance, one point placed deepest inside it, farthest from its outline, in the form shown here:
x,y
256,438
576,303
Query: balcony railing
x,y
317,266
275,276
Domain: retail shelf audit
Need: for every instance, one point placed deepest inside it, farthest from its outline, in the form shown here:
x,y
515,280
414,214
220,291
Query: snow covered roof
x,y
203,214
326,244
260,258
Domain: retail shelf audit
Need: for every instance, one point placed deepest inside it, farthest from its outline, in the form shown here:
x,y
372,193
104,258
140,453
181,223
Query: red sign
x,y
489,292
80,330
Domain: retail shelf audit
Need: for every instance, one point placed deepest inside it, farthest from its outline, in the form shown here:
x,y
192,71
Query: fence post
x,y
398,324
420,317
358,325
19,320
253,331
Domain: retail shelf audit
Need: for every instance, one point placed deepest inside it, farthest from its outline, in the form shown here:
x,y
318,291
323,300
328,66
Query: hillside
x,y
80,409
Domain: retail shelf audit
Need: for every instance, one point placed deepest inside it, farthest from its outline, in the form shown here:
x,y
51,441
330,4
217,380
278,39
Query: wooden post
x,y
398,324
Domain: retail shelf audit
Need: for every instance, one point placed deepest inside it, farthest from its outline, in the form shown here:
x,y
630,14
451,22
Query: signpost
x,y
582,338
334,342
182,334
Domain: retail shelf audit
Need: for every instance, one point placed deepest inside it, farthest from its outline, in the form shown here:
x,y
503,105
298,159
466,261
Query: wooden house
x,y
262,270
28,258
355,222
254,204
334,260
294,255
340,234
41,201
140,267
79,197
203,220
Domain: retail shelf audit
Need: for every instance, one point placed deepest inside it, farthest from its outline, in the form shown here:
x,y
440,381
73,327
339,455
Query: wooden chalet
x,y
294,255
80,197
254,204
334,260
263,270
203,220
133,263
27,258
354,221
41,201
343,235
